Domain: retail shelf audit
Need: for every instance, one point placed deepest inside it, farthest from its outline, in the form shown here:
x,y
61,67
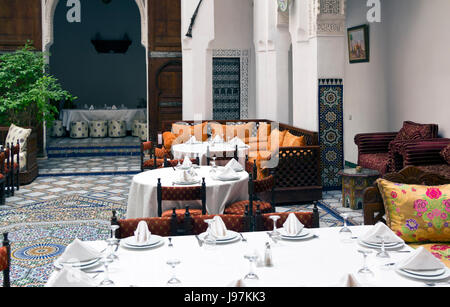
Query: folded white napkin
x,y
142,233
192,140
349,280
78,251
293,226
114,108
227,173
380,229
234,165
217,139
218,228
70,277
187,162
237,141
185,176
92,107
421,260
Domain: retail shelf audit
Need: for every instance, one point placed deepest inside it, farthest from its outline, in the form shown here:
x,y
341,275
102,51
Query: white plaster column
x,y
197,59
317,30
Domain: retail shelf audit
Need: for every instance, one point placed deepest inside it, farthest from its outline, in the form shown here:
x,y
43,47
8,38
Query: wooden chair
x,y
11,168
5,261
237,223
157,156
373,201
2,179
259,191
181,194
223,156
264,223
157,225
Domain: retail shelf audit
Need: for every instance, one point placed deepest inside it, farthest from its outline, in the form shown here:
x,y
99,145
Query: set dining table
x,y
322,260
142,199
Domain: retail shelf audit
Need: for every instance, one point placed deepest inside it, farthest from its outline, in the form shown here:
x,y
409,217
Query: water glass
x,y
345,232
252,257
365,271
275,234
382,253
106,280
210,240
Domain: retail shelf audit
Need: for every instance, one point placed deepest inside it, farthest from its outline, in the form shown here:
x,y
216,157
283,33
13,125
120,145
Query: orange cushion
x,y
217,129
183,132
241,131
264,130
291,140
238,208
273,136
200,131
168,138
168,213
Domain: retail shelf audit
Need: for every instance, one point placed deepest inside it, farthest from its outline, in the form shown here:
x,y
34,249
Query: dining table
x,y
200,150
320,261
142,197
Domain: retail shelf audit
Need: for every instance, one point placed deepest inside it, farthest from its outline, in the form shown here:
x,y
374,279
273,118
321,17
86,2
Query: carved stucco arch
x,y
48,12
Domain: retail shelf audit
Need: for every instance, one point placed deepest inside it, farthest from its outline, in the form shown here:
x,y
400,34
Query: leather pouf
x,y
79,130
98,129
57,129
117,128
143,132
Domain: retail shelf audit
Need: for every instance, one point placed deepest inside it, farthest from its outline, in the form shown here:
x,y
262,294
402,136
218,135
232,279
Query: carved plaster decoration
x,y
327,17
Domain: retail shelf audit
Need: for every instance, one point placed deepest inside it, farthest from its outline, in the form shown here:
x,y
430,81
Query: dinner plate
x,y
420,277
431,273
397,246
303,233
186,182
82,265
160,243
231,236
228,179
385,244
305,237
154,239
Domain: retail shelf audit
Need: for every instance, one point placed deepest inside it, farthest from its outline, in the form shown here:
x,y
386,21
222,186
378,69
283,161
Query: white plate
x,y
231,236
160,243
80,265
414,276
186,182
303,233
433,273
397,246
379,244
154,239
226,179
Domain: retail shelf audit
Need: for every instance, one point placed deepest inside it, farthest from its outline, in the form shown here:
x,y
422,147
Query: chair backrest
x,y
173,163
260,189
148,147
5,261
181,194
223,156
263,222
160,226
237,223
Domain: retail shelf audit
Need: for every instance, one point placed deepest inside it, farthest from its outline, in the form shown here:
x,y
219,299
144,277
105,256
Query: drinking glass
x,y
106,280
365,271
382,253
112,243
213,163
210,239
252,257
173,261
275,234
345,232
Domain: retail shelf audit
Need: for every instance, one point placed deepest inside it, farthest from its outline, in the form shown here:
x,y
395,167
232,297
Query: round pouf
x,y
79,130
136,130
143,132
117,128
57,129
98,129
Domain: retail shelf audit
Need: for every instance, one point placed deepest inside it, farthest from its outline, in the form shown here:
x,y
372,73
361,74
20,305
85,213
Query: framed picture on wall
x,y
358,44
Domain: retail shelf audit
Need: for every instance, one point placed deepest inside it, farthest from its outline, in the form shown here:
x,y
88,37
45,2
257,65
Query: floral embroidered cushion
x,y
417,213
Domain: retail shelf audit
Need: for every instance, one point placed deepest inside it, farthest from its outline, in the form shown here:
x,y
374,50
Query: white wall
x,y
365,84
409,70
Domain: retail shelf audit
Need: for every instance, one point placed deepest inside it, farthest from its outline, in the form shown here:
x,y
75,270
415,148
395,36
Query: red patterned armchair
x,y
238,223
156,156
160,226
5,261
382,151
309,219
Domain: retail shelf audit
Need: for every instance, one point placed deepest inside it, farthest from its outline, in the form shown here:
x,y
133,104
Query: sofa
x,y
381,151
297,174
28,156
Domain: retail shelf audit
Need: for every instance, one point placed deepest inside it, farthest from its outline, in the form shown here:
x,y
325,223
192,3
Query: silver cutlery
x,y
200,242
400,251
433,284
243,239
270,236
170,242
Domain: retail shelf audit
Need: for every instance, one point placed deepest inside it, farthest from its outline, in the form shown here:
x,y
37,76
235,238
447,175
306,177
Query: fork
x,y
243,239
200,242
170,242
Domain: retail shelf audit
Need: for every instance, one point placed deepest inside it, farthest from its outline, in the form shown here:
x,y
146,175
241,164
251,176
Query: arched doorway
x,y
48,14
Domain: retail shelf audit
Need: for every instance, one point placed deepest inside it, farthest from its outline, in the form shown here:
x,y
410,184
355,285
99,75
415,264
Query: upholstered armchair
x,y
381,151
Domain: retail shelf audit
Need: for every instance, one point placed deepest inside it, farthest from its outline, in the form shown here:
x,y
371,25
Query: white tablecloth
x,y
129,115
142,200
179,151
315,262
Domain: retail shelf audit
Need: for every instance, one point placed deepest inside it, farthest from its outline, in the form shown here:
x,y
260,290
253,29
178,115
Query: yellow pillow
x,y
291,140
243,131
168,139
183,132
417,213
200,132
273,136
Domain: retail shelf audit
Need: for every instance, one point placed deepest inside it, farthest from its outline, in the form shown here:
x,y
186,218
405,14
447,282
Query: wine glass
x,y
173,261
213,163
106,280
365,271
252,257
382,253
112,243
275,234
210,239
345,232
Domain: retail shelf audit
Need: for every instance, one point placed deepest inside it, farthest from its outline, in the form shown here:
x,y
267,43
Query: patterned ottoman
x,y
79,130
98,129
57,129
136,129
117,128
143,132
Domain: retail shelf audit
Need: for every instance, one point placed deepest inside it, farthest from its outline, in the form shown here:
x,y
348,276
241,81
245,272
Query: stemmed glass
x,y
365,271
210,239
345,232
382,253
214,161
173,262
252,257
275,234
106,261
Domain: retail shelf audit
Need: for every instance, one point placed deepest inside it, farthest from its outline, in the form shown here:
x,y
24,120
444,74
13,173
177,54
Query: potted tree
x,y
27,96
